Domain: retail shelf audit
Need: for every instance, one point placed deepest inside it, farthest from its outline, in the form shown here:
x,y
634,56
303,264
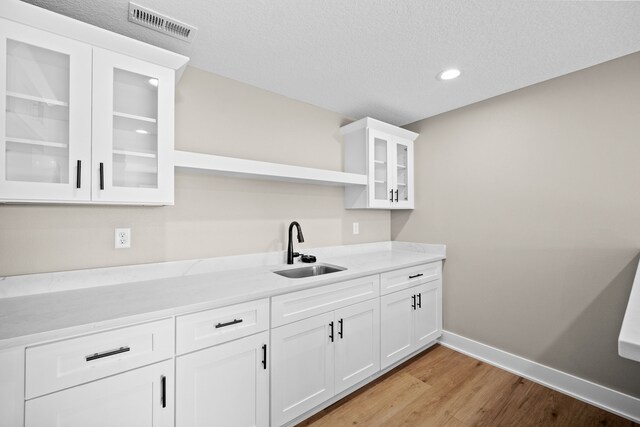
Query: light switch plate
x,y
356,228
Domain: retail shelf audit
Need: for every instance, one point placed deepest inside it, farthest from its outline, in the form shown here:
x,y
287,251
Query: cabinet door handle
x,y
233,322
264,356
101,176
396,195
391,192
79,174
416,275
413,303
331,331
163,393
420,300
107,353
341,323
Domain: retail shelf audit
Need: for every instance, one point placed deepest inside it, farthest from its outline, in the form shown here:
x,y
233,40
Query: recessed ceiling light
x,y
449,74
153,82
142,131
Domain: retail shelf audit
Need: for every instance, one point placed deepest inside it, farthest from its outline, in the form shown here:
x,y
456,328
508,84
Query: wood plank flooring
x,y
441,387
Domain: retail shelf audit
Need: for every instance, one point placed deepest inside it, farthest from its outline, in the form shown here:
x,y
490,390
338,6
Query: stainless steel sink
x,y
309,271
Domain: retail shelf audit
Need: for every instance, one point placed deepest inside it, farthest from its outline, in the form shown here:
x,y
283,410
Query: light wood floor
x,y
442,387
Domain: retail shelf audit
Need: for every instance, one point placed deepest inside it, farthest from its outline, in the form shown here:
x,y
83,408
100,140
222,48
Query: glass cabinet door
x,y
133,130
380,180
403,174
46,115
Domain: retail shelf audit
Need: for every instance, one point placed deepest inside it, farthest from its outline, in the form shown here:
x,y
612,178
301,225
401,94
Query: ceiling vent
x,y
159,22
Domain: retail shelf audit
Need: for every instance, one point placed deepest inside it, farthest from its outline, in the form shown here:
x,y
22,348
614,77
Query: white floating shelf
x,y
256,169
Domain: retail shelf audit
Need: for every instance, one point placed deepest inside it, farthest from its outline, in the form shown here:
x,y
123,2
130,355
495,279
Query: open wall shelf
x,y
261,170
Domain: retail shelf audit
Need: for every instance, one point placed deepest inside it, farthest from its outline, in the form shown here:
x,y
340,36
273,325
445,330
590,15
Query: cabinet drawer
x,y
406,277
62,364
211,327
310,302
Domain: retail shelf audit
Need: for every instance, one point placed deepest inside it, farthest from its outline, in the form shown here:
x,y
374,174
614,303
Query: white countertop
x,y
30,319
629,338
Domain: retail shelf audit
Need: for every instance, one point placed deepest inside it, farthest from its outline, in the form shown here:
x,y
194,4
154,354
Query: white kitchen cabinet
x,y
409,320
319,357
133,109
226,385
384,153
301,366
142,397
357,343
82,124
45,124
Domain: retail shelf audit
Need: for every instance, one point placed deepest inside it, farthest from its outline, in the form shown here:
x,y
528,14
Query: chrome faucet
x,y
290,253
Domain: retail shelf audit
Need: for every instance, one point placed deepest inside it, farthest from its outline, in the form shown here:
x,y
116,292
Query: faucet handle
x,y
296,254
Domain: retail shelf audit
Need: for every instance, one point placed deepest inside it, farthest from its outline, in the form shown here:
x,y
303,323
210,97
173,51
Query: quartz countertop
x,y
629,338
31,319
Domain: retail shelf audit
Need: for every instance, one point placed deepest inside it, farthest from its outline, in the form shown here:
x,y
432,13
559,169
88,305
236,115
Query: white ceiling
x,y
379,58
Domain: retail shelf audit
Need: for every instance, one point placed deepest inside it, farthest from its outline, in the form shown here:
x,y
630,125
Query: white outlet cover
x,y
122,238
356,228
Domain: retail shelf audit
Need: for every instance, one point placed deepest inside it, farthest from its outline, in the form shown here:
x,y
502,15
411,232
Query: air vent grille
x,y
159,22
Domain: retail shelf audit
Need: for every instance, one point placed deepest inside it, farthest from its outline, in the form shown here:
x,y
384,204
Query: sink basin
x,y
309,271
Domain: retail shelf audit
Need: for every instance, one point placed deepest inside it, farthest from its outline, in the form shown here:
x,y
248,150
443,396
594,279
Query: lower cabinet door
x,y
301,367
142,397
357,344
396,326
226,385
428,319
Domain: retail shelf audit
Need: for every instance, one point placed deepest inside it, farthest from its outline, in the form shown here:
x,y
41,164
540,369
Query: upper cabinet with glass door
x,y
45,124
132,130
83,121
384,153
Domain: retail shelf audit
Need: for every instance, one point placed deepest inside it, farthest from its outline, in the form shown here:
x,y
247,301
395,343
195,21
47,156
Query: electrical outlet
x,y
356,228
123,238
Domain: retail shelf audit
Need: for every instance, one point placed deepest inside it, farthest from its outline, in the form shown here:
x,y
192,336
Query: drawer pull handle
x,y
233,322
331,333
341,323
413,303
416,275
163,385
420,300
264,356
95,356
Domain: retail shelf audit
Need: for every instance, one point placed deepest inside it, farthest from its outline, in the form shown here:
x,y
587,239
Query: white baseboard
x,y
592,393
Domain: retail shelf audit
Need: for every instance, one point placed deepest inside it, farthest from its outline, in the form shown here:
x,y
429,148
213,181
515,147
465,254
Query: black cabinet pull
x,y
416,275
108,353
233,322
79,174
396,195
341,323
101,176
331,331
391,192
163,394
413,304
264,356
420,300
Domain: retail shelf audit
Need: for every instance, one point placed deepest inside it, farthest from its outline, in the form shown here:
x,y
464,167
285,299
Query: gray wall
x,y
212,216
537,195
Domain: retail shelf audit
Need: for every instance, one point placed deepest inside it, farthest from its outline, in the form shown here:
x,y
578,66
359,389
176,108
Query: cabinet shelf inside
x,y
47,101
37,142
134,117
135,153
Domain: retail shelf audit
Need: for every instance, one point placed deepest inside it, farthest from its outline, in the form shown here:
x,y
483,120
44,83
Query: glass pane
x,y
401,172
380,168
135,130
37,114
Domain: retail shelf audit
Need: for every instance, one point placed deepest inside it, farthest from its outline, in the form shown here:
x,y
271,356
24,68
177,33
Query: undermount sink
x,y
309,271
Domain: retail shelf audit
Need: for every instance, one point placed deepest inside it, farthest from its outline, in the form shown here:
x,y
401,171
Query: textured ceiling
x,y
379,58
